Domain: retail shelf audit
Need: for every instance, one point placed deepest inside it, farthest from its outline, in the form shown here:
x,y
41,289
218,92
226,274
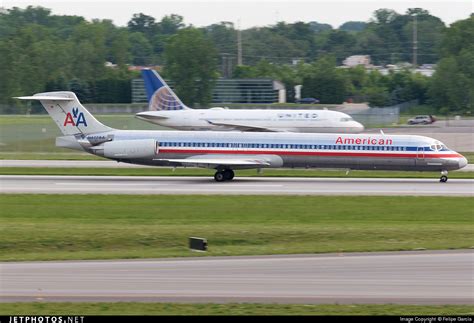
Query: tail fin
x,y
68,113
160,96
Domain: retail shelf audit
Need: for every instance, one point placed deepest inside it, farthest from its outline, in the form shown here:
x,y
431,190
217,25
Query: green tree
x,y
325,82
141,49
119,48
377,96
142,23
453,82
191,62
170,25
353,26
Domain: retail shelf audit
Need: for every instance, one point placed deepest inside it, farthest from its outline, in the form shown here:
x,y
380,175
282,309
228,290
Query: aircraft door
x,y
420,153
157,147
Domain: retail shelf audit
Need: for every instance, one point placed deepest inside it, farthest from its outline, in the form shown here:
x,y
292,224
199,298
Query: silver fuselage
x,y
349,151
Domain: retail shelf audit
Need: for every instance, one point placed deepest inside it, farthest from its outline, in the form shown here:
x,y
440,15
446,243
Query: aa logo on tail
x,y
75,119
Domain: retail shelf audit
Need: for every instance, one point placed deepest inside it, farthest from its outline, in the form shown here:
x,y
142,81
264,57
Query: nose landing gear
x,y
224,175
444,176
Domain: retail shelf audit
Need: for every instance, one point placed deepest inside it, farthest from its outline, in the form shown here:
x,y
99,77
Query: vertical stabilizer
x,y
69,114
159,94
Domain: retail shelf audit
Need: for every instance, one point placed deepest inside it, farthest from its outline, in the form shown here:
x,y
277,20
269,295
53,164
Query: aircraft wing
x,y
147,117
241,127
217,161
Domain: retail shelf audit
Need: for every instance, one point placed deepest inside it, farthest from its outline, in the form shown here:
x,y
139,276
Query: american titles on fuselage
x,y
364,141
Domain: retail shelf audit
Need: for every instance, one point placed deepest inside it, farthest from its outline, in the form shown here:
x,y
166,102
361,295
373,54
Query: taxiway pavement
x,y
99,164
241,185
434,277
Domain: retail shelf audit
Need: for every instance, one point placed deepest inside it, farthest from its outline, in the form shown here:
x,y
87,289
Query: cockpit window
x,y
346,119
438,146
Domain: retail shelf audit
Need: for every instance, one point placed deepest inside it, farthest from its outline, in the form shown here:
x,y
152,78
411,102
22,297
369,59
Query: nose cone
x,y
462,162
358,127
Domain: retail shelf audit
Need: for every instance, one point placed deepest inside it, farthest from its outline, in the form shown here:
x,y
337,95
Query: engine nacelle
x,y
142,148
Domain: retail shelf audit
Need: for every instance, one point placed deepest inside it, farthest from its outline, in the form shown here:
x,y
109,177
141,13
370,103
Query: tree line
x,y
40,51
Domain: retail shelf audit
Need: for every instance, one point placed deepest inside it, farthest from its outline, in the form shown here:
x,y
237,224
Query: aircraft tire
x,y
228,174
219,176
443,179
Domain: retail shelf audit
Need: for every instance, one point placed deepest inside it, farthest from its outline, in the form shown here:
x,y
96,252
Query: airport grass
x,y
131,308
55,227
163,171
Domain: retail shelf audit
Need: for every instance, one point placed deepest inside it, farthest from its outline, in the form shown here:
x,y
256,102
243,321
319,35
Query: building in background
x,y
230,91
356,60
364,60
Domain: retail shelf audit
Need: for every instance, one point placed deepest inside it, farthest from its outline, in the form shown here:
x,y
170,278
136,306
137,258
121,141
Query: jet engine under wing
x,y
224,161
241,127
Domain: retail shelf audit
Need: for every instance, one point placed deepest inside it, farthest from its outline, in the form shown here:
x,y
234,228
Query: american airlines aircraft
x,y
228,151
166,109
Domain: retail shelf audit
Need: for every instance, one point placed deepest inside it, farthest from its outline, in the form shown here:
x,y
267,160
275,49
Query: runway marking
x,y
110,184
163,184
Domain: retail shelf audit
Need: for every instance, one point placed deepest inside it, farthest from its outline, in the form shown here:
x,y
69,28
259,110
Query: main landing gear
x,y
224,175
444,176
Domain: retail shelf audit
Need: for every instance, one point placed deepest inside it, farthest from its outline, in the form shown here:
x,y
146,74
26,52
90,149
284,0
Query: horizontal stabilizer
x,y
45,97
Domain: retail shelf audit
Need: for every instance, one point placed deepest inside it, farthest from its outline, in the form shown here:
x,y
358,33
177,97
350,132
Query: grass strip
x,y
52,227
163,171
129,308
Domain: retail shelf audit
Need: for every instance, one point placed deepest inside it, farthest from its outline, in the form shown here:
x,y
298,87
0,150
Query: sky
x,y
246,13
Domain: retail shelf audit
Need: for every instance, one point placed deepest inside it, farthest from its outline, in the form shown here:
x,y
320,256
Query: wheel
x,y
228,174
219,176
443,179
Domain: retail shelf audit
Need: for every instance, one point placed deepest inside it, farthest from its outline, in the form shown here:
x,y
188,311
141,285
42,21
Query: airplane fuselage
x,y
349,151
218,119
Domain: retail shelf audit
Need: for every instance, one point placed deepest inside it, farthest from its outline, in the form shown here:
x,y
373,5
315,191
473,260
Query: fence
x,y
377,116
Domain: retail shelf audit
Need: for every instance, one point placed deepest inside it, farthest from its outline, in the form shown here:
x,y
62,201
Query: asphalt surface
x,y
240,185
100,164
442,277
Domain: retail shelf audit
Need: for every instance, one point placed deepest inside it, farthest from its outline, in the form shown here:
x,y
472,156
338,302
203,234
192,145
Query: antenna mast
x,y
239,45
415,41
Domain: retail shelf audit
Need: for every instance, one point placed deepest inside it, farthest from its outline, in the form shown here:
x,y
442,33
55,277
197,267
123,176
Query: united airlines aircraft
x,y
228,151
166,109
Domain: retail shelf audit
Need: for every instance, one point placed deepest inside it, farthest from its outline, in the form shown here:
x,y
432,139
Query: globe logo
x,y
162,99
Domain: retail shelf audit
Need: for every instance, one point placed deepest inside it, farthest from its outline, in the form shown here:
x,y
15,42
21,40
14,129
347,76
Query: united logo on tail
x,y
160,95
162,99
